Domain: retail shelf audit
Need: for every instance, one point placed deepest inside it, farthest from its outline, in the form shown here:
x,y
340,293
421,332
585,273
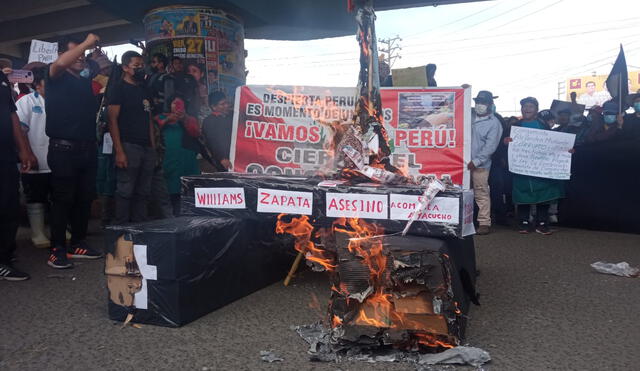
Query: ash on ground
x,y
322,348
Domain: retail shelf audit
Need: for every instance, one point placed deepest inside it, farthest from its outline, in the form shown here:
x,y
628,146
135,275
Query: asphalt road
x,y
542,309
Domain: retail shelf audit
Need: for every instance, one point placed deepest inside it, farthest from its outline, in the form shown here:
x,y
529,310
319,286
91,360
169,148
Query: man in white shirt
x,y
36,182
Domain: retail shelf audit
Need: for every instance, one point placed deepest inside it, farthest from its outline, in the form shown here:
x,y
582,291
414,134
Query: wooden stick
x,y
296,263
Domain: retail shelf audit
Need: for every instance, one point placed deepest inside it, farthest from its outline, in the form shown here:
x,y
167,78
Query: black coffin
x,y
194,265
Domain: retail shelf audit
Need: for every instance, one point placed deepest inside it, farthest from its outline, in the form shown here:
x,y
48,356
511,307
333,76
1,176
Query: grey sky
x,y
514,48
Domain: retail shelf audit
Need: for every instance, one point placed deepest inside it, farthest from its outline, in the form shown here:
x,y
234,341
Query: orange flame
x,y
301,229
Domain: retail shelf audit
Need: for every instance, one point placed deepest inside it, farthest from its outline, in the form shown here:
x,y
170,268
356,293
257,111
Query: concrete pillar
x,y
209,41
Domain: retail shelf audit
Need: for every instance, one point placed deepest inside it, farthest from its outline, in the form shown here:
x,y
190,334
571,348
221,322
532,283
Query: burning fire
x,y
302,230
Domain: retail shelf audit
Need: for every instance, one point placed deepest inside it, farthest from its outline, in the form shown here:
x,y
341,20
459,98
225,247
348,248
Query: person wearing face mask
x,y
71,127
607,125
486,131
631,121
529,190
129,118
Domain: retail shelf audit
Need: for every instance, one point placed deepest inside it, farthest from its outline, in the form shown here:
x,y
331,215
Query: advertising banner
x,y
592,90
290,130
540,153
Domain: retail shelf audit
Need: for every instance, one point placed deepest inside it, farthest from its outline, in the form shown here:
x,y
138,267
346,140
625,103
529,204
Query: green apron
x,y
178,161
534,190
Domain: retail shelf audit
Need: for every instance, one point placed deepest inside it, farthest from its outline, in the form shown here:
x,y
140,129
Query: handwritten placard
x,y
540,153
42,51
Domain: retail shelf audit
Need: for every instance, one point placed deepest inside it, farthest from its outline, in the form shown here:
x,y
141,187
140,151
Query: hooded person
x,y
529,190
486,132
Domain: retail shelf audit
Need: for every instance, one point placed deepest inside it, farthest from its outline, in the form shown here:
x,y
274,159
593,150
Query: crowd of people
x,y
498,192
125,133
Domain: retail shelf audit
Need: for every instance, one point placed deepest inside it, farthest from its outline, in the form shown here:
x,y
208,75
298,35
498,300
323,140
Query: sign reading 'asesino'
x,y
289,202
220,198
357,205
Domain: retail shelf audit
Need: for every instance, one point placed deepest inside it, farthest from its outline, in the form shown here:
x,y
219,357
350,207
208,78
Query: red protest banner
x,y
288,130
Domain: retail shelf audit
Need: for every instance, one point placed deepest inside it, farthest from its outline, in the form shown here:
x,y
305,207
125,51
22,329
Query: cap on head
x,y
531,100
610,108
484,96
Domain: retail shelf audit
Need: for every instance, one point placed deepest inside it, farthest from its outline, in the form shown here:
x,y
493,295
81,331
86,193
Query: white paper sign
x,y
220,198
107,144
440,210
42,51
356,205
540,153
467,214
148,272
289,202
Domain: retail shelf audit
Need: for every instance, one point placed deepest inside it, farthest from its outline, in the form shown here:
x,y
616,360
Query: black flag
x,y
617,82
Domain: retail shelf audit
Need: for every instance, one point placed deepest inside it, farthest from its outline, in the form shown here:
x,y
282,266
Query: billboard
x,y
592,90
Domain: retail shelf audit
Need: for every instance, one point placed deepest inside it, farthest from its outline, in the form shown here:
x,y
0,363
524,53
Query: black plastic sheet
x,y
202,263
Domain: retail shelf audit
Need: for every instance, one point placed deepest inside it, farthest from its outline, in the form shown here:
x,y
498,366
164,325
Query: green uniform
x,y
534,190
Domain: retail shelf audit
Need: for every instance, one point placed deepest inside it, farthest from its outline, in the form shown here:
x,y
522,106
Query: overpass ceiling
x,y
118,21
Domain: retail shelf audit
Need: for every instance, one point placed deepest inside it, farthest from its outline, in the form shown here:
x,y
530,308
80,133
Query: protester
x,y
573,123
529,190
548,118
185,87
70,124
178,161
158,83
129,116
500,178
11,136
37,182
486,132
606,126
196,71
217,128
631,122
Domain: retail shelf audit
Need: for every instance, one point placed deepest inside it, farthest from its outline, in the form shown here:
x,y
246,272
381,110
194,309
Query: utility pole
x,y
390,47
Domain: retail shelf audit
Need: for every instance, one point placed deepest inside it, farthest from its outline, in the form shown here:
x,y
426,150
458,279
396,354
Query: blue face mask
x,y
609,119
636,107
85,73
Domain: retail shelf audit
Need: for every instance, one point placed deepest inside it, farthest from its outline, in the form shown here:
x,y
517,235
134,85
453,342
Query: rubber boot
x,y
36,220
